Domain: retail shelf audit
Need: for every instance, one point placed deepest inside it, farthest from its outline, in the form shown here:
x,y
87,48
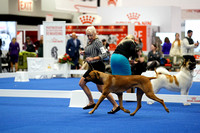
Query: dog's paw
x,y
186,104
167,110
91,112
127,111
132,114
150,102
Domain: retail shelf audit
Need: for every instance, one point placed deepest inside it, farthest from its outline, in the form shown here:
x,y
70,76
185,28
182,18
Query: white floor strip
x,y
96,95
35,93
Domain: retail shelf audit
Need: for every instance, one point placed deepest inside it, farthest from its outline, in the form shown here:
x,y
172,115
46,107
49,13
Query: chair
x,y
168,64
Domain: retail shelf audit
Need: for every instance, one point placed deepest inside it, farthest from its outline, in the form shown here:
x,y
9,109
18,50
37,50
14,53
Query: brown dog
x,y
118,84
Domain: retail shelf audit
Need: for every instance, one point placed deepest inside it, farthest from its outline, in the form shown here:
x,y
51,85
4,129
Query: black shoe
x,y
89,106
114,111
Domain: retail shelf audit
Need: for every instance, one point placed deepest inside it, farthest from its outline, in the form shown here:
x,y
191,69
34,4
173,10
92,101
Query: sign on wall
x,y
146,34
168,18
112,33
141,32
25,5
54,39
134,17
89,19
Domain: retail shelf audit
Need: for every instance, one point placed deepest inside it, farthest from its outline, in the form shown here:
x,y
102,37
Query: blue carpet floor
x,y
44,84
48,115
52,115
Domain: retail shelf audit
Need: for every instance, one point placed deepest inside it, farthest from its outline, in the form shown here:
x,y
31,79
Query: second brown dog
x,y
118,84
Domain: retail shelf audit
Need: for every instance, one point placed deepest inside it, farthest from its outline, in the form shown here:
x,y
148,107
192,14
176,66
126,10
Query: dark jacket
x,y
30,48
71,49
152,56
40,50
127,48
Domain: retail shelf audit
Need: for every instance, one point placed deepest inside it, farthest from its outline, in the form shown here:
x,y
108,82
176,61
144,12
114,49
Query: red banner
x,y
117,31
141,32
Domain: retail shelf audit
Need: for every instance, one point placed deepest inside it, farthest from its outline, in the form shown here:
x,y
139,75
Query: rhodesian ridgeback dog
x,y
118,84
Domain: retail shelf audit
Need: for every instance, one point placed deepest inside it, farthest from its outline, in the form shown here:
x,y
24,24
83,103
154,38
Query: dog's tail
x,y
161,70
150,78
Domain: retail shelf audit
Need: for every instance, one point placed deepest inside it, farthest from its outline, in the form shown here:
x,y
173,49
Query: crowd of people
x,y
12,56
127,59
133,55
139,63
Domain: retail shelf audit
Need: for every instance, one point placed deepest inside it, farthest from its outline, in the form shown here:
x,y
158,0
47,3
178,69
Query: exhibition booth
x,y
143,22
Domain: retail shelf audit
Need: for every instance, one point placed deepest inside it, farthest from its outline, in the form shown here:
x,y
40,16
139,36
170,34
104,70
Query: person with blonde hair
x,y
176,46
158,43
95,53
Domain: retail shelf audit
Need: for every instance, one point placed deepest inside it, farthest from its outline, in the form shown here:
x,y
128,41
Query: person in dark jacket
x,y
120,58
30,47
40,48
120,63
153,57
72,49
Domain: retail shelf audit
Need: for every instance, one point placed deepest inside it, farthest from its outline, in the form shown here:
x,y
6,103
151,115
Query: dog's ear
x,y
184,62
97,75
97,79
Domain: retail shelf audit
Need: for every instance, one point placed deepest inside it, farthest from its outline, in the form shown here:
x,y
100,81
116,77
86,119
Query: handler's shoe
x,y
89,106
114,111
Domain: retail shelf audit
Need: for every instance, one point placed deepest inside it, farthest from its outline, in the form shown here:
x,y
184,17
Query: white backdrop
x,y
54,39
88,6
168,18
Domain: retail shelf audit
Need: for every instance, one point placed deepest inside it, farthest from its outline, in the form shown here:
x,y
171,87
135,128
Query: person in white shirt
x,y
176,46
188,47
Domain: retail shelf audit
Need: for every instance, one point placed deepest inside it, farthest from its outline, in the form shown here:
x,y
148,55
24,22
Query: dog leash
x,y
90,65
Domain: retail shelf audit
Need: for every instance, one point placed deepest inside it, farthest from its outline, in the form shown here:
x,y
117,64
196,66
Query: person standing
x,y
158,43
166,46
106,46
176,46
40,47
139,42
95,53
188,47
105,43
14,53
30,47
72,48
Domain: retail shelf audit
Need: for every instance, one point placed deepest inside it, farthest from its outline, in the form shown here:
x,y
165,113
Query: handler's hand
x,y
89,59
82,52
